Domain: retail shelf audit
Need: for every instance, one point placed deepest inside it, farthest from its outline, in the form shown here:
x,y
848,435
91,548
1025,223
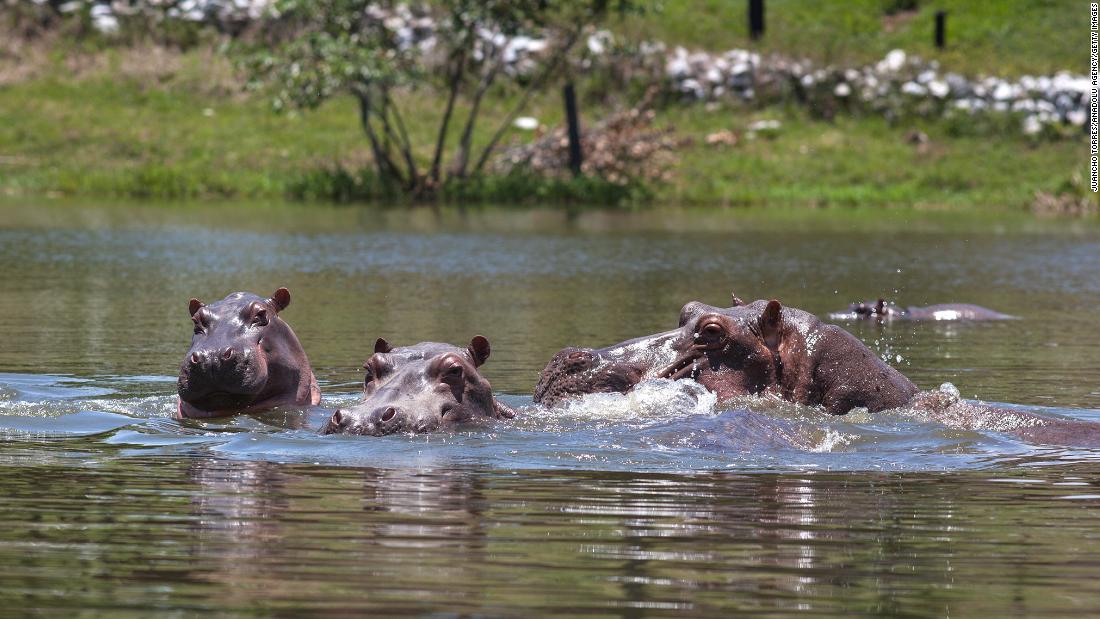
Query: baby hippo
x,y
420,388
881,310
243,358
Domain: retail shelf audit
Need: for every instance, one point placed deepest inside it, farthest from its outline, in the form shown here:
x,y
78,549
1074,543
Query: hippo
x,y
244,358
614,369
745,349
881,310
765,348
420,388
617,368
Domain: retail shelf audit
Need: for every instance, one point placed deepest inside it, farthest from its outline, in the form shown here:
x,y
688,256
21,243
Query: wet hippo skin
x,y
420,388
765,347
243,358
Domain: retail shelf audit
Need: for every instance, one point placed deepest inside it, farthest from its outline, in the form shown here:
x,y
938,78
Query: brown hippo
x,y
762,347
765,347
420,388
881,310
741,350
243,359
616,368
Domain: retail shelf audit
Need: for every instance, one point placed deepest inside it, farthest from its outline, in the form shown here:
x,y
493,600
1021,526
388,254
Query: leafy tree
x,y
332,47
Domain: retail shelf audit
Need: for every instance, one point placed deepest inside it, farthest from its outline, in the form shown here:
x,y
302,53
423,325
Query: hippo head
x,y
579,371
730,351
420,388
868,309
575,372
242,354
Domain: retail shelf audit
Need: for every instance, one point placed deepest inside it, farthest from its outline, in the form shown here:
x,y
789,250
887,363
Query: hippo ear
x,y
479,350
280,299
735,301
878,306
381,345
770,321
194,306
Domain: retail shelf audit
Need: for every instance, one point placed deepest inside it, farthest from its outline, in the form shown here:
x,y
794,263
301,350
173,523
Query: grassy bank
x,y
111,136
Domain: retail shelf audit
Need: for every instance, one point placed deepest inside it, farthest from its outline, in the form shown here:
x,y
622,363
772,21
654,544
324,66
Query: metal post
x,y
574,125
756,19
941,29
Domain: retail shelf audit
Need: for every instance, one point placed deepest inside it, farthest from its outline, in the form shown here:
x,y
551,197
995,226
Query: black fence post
x,y
756,19
941,29
576,158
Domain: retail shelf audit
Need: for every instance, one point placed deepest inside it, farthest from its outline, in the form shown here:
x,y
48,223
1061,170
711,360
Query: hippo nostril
x,y
227,354
195,358
388,414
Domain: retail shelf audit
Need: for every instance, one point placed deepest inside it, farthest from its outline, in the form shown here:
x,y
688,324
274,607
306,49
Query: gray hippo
x,y
881,310
765,348
420,388
243,358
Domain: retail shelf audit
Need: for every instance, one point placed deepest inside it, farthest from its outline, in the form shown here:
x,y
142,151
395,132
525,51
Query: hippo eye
x,y
374,367
199,329
710,330
260,319
452,373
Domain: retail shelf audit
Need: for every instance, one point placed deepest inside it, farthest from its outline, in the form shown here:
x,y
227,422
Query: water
x,y
654,503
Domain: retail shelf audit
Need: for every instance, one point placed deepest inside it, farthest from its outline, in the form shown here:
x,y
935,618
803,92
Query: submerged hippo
x,y
881,310
420,388
243,358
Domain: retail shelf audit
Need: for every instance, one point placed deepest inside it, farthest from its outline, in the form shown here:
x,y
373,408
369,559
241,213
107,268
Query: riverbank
x,y
104,135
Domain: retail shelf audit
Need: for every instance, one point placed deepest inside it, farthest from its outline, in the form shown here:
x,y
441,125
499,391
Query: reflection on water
x,y
659,502
255,536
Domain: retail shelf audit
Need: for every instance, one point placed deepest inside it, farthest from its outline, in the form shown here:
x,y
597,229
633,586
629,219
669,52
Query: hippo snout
x,y
212,374
378,422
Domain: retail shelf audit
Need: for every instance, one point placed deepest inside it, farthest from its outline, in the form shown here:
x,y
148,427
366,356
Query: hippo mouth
x,y
686,365
220,401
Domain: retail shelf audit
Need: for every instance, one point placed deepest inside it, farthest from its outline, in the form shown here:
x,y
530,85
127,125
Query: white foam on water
x,y
830,441
657,399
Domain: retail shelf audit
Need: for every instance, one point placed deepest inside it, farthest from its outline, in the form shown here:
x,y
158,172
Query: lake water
x,y
649,504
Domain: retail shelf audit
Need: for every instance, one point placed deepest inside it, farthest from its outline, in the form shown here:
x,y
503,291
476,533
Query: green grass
x,y
1004,37
856,161
105,137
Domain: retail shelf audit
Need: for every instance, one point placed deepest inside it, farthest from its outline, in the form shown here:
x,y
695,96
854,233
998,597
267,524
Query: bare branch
x,y
402,136
441,141
387,169
462,158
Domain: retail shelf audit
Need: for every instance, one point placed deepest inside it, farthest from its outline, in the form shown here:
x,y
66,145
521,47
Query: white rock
x,y
765,125
526,123
1004,92
1032,126
914,89
893,61
842,90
